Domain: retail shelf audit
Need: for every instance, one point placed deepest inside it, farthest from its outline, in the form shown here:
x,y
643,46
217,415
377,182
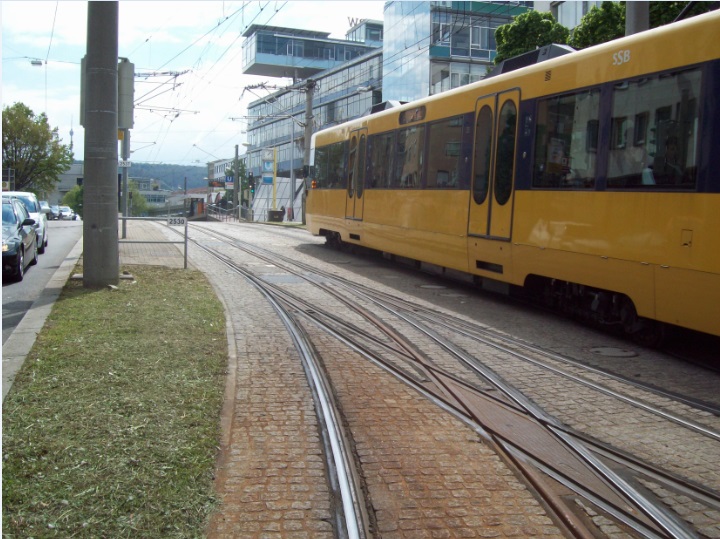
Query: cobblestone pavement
x,y
426,473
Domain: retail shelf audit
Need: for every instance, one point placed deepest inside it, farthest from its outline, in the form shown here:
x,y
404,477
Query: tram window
x,y
483,145
505,152
360,180
444,156
408,158
382,149
655,132
566,141
352,178
330,166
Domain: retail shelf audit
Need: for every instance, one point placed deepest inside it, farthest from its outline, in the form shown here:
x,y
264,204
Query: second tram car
x,y
592,180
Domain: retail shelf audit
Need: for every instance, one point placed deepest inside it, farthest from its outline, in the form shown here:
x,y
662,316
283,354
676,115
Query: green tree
x,y
599,25
666,12
137,204
527,32
33,150
607,22
74,199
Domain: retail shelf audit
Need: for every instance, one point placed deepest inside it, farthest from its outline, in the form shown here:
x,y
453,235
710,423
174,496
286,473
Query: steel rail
x,y
662,518
354,512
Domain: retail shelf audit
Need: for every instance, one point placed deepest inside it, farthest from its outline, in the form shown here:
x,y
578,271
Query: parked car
x,y
36,213
20,245
66,212
54,212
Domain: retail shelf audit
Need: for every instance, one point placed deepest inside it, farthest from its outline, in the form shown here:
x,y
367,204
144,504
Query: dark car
x,y
36,213
19,247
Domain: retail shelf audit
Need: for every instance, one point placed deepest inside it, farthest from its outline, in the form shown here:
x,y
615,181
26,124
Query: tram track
x,y
502,414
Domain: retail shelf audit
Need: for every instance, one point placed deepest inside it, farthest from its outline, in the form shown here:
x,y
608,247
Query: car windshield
x,y
8,215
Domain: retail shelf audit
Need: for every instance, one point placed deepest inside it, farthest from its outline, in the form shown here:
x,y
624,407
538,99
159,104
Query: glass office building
x,y
348,81
431,47
420,49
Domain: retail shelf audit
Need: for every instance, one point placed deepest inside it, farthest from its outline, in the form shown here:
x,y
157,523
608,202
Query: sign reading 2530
x,y
176,221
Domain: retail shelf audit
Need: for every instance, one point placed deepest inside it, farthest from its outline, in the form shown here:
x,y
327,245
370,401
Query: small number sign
x,y
176,221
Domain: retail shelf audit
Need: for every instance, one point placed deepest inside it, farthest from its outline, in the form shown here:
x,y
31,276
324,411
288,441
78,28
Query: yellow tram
x,y
591,180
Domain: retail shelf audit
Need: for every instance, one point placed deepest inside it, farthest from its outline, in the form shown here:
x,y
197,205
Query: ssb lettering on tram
x,y
621,57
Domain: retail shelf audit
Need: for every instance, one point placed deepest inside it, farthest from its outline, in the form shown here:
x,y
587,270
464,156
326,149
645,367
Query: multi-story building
x,y
431,47
568,14
420,49
72,177
347,78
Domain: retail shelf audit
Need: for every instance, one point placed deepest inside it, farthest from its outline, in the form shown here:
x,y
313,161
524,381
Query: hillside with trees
x,y
171,177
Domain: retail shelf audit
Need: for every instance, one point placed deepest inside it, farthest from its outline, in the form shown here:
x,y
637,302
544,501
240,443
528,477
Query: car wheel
x,y
20,266
43,244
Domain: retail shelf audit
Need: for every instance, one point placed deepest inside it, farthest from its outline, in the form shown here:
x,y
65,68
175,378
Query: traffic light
x,y
251,183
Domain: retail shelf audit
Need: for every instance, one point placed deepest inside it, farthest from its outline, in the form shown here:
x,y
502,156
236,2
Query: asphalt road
x,y
17,298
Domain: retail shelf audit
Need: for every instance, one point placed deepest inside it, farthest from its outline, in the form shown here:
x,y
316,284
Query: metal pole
x,y
125,158
252,194
236,183
186,243
637,17
308,133
274,178
292,168
101,255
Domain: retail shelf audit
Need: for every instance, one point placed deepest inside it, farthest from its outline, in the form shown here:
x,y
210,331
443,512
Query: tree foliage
x,y
607,22
33,150
137,204
527,32
666,12
74,199
599,25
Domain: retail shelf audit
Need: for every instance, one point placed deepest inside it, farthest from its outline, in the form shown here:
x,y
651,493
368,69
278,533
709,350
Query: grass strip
x,y
112,425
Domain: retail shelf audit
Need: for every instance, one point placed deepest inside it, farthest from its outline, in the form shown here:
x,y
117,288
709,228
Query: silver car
x,y
37,213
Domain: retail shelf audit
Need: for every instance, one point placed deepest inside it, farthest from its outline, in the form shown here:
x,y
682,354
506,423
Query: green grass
x,y
112,425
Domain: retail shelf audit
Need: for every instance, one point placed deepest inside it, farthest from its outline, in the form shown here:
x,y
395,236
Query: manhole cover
x,y
609,351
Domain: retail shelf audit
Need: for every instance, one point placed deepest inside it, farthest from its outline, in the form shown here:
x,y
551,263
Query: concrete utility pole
x,y
101,257
637,17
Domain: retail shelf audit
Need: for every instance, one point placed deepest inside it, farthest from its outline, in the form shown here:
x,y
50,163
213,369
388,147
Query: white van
x,y
37,213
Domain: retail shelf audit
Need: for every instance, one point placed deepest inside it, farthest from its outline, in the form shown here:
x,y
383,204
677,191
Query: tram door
x,y
356,175
491,204
494,166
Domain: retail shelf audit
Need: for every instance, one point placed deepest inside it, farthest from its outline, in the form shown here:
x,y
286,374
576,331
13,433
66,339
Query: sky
x,y
188,119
